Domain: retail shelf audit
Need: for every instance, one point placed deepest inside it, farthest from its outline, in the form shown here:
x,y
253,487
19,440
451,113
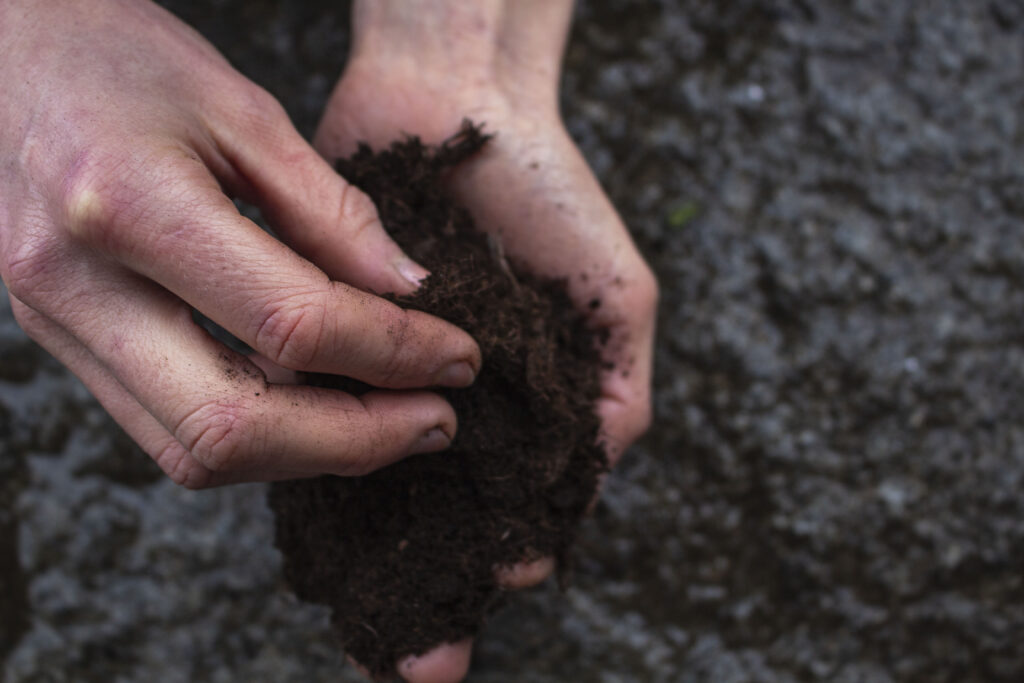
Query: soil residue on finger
x,y
406,556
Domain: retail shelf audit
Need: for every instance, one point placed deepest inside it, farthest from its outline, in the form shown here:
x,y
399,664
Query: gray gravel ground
x,y
832,195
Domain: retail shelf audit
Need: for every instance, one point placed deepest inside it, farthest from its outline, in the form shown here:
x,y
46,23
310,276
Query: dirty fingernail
x,y
458,374
433,440
413,272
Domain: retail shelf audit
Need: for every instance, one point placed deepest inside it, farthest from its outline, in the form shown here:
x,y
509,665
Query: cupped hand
x,y
123,138
422,72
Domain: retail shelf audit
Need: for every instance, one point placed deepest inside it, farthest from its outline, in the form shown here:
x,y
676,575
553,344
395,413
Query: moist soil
x,y
830,194
405,557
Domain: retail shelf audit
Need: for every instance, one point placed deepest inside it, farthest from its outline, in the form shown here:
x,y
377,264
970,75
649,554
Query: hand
x,y
420,67
123,137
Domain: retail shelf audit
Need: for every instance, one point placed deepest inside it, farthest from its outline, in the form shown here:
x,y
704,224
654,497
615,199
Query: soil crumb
x,y
405,557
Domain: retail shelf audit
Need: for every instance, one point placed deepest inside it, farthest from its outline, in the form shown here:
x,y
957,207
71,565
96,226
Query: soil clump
x,y
405,557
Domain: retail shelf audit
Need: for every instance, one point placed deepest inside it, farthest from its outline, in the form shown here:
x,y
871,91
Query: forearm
x,y
514,44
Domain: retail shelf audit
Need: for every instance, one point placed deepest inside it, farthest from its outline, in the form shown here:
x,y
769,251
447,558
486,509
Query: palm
x,y
531,187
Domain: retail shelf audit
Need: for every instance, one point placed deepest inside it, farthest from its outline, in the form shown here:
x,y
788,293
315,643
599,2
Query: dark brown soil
x,y
406,555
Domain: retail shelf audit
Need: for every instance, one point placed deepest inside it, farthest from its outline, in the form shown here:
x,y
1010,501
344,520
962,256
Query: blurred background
x,y
832,195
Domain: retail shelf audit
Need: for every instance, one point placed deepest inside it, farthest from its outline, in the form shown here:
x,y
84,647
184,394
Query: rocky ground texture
x,y
832,195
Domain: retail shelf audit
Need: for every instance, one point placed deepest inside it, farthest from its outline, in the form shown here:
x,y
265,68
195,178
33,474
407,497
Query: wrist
x,y
436,35
507,49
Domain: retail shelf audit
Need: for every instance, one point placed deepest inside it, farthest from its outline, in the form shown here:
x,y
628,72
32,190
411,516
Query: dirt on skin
x,y
406,556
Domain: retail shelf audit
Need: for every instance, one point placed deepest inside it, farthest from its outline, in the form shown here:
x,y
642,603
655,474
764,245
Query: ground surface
x,y
832,194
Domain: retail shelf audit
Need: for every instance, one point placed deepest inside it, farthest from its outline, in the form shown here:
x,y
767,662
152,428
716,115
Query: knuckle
x,y
93,204
182,469
356,211
196,478
290,331
392,359
33,263
218,436
374,452
29,320
260,108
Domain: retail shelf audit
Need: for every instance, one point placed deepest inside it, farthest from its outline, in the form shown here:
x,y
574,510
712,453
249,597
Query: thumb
x,y
313,209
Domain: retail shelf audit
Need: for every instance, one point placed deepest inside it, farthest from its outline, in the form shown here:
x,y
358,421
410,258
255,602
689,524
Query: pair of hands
x,y
123,137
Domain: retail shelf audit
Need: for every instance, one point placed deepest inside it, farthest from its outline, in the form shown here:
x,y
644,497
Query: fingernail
x,y
434,440
411,271
458,374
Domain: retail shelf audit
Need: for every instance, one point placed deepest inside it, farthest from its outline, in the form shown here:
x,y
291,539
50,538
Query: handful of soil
x,y
406,556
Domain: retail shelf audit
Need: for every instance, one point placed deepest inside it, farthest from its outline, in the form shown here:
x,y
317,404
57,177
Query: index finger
x,y
172,223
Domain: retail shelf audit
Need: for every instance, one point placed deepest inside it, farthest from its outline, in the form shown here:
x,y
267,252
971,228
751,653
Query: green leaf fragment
x,y
683,214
